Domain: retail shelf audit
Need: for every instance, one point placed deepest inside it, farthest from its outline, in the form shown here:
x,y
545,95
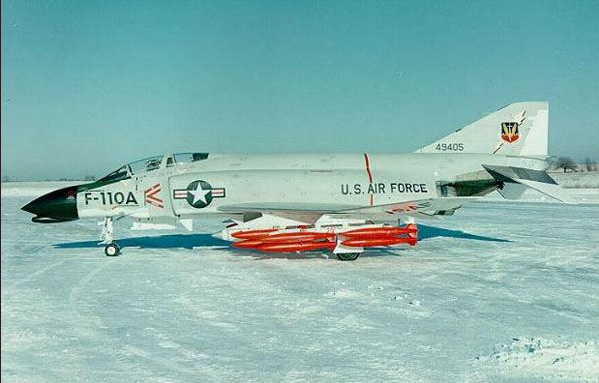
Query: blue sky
x,y
89,85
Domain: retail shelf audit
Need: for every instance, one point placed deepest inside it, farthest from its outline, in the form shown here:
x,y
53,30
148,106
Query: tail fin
x,y
517,129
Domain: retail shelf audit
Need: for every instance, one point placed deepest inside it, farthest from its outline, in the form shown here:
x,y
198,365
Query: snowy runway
x,y
499,292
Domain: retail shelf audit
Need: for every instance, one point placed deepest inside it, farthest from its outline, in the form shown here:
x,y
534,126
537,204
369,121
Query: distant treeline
x,y
16,179
567,164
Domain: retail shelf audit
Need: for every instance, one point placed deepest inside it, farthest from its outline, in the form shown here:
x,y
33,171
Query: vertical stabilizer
x,y
517,129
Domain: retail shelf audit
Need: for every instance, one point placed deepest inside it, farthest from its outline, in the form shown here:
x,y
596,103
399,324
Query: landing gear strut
x,y
111,249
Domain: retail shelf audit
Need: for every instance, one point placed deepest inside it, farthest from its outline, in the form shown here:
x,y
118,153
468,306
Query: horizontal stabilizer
x,y
553,191
515,180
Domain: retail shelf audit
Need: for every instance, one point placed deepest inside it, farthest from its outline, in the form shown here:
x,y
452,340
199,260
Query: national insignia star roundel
x,y
199,194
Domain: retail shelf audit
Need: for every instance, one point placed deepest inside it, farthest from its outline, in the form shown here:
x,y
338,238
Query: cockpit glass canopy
x,y
145,165
119,174
186,158
153,163
137,167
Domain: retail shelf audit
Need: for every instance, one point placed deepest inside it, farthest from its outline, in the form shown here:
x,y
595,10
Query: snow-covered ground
x,y
499,292
33,188
577,180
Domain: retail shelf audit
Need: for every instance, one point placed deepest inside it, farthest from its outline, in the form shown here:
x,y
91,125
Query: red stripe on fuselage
x,y
367,160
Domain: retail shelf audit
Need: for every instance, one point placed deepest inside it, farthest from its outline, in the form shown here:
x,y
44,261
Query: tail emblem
x,y
509,130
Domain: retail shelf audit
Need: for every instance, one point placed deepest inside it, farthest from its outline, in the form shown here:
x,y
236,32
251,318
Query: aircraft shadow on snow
x,y
190,241
169,241
426,232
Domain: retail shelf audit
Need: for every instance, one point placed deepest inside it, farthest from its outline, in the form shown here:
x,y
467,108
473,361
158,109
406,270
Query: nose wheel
x,y
112,249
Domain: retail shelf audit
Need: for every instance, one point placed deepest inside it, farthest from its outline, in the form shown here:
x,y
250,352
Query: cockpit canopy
x,y
152,163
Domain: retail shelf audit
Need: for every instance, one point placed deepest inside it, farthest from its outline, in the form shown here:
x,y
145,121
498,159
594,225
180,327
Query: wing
x,y
310,213
428,206
302,212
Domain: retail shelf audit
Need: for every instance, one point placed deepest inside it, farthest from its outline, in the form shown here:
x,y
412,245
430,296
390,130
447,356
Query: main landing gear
x,y
111,248
347,256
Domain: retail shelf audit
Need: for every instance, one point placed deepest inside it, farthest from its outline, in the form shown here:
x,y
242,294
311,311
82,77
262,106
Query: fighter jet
x,y
342,203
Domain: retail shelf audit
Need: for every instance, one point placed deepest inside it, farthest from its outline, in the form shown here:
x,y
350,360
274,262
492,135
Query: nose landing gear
x,y
111,248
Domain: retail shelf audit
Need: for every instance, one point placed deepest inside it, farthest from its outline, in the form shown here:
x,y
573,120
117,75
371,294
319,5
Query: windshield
x,y
117,175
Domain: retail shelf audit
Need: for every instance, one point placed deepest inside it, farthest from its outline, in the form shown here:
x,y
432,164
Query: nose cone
x,y
57,206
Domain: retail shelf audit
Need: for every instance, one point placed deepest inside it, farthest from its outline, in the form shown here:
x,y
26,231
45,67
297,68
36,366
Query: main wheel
x,y
348,256
112,250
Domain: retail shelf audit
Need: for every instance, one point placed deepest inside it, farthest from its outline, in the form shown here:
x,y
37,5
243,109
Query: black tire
x,y
348,256
112,250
